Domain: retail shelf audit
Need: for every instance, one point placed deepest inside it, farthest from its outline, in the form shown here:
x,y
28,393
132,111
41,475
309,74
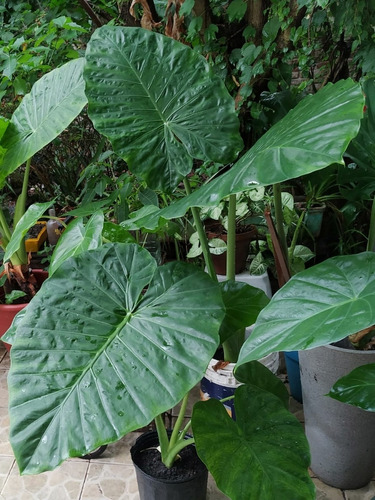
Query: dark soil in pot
x,y
185,480
34,231
185,468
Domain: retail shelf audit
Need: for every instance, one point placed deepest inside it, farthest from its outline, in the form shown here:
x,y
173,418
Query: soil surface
x,y
184,468
35,230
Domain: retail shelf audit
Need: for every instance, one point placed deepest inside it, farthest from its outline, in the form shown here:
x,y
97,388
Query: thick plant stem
x,y
163,437
295,236
233,344
19,258
280,221
21,200
180,418
231,239
371,234
202,235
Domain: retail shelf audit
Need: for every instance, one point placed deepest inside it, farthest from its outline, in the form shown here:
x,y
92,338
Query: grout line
x,y
84,480
8,475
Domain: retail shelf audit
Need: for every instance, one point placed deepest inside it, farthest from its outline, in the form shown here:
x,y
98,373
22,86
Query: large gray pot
x,y
341,436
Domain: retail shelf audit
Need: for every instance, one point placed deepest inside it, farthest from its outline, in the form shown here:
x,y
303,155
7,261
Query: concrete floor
x,y
110,477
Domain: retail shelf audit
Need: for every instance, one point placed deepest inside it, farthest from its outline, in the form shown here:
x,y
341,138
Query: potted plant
x,y
333,300
41,116
121,340
216,226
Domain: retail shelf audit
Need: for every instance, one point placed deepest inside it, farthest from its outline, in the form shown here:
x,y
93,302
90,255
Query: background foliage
x,y
269,53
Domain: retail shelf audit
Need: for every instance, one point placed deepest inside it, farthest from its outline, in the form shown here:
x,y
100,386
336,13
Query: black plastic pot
x,y
152,488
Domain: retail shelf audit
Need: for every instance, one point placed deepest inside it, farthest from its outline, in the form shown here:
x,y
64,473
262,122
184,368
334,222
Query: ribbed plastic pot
x,y
151,488
341,436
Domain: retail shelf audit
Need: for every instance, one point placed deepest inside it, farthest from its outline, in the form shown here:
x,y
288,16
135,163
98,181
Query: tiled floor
x,y
110,477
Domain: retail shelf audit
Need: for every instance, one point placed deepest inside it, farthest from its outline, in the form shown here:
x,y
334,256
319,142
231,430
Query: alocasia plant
x,y
124,320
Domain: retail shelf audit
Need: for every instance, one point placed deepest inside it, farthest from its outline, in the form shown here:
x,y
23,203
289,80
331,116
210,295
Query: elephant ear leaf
x,y
110,337
264,453
318,306
159,104
54,101
297,145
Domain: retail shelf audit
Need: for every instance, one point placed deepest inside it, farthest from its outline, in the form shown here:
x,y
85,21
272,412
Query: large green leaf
x,y
255,373
159,103
310,137
242,303
27,221
4,123
54,101
357,388
360,181
316,307
106,358
77,238
262,455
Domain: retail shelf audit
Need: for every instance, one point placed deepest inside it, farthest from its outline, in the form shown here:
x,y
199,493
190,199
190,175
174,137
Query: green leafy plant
x,y
131,322
41,116
33,41
245,206
333,299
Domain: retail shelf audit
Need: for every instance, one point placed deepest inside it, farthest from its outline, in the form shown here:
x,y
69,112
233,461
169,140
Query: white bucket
x,y
262,281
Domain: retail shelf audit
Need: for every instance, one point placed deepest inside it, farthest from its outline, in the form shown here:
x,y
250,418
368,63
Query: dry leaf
x,y
147,20
174,27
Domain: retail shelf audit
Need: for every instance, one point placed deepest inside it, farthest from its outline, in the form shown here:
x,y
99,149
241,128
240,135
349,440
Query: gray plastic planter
x,y
341,436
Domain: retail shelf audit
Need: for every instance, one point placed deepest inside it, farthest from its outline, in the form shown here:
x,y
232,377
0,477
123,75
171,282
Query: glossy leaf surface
x,y
255,373
54,101
242,303
106,358
316,307
263,454
159,104
361,180
310,137
357,388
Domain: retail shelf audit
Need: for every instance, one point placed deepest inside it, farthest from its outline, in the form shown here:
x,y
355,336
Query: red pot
x,y
8,311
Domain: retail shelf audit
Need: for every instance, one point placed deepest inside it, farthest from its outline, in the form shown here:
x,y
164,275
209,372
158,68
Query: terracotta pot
x,y
242,251
8,311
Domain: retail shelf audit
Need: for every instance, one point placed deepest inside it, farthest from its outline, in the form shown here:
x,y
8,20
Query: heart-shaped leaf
x,y
106,357
263,454
316,307
54,101
243,303
255,373
159,103
311,136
